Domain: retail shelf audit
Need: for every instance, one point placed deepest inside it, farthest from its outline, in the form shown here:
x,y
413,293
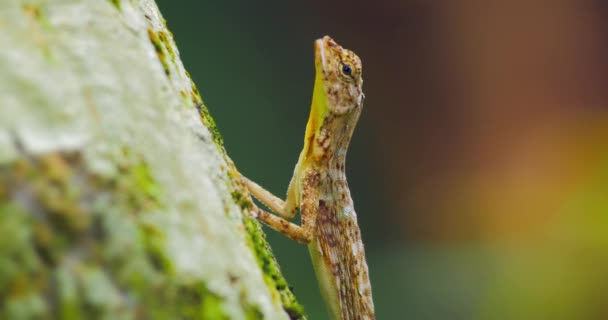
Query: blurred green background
x,y
479,168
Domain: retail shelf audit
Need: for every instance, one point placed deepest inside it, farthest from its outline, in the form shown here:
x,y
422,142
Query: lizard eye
x,y
347,69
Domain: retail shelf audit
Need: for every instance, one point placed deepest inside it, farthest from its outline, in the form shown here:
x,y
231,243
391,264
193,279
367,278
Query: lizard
x,y
319,190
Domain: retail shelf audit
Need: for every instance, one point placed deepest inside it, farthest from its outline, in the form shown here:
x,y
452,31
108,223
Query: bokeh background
x,y
479,168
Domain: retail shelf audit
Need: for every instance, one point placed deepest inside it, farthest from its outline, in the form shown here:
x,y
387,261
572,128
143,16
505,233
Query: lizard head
x,y
339,72
336,102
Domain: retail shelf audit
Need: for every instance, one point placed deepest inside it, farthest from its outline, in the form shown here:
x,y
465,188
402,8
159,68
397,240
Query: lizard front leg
x,y
283,209
268,199
289,229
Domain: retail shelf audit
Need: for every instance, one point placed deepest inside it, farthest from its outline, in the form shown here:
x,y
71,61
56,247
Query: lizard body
x,y
320,191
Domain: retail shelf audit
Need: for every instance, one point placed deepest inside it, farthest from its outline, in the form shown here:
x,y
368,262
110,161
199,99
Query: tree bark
x,y
117,198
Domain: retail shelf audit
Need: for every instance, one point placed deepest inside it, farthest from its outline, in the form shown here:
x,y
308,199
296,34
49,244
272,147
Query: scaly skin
x,y
319,188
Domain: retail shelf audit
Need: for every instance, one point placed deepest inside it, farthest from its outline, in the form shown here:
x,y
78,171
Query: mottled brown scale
x,y
320,190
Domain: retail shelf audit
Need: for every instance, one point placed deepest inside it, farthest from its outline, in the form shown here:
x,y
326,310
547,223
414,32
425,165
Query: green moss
x,y
53,190
160,51
154,244
118,251
241,201
29,306
115,3
33,11
194,93
210,124
164,38
163,46
256,240
272,273
67,295
99,293
36,13
211,307
253,313
21,269
135,175
206,117
17,249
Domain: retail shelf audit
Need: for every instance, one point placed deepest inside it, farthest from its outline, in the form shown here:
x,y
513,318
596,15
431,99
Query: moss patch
x,y
41,25
164,38
272,273
160,51
273,277
163,45
78,245
36,13
240,200
115,3
206,118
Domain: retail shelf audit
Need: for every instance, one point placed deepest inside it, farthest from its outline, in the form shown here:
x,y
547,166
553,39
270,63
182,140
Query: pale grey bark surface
x,y
102,147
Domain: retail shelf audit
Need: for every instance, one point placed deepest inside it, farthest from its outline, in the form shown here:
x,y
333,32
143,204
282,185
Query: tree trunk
x,y
117,199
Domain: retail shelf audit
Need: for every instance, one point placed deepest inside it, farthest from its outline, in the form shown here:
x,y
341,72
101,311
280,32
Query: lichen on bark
x,y
116,194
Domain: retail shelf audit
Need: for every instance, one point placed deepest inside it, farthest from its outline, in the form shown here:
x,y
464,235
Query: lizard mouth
x,y
320,52
321,47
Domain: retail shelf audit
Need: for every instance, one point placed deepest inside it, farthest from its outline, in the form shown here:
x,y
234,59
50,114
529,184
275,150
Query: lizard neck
x,y
329,154
332,140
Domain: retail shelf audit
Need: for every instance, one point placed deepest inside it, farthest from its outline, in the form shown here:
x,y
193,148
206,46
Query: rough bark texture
x,y
117,199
